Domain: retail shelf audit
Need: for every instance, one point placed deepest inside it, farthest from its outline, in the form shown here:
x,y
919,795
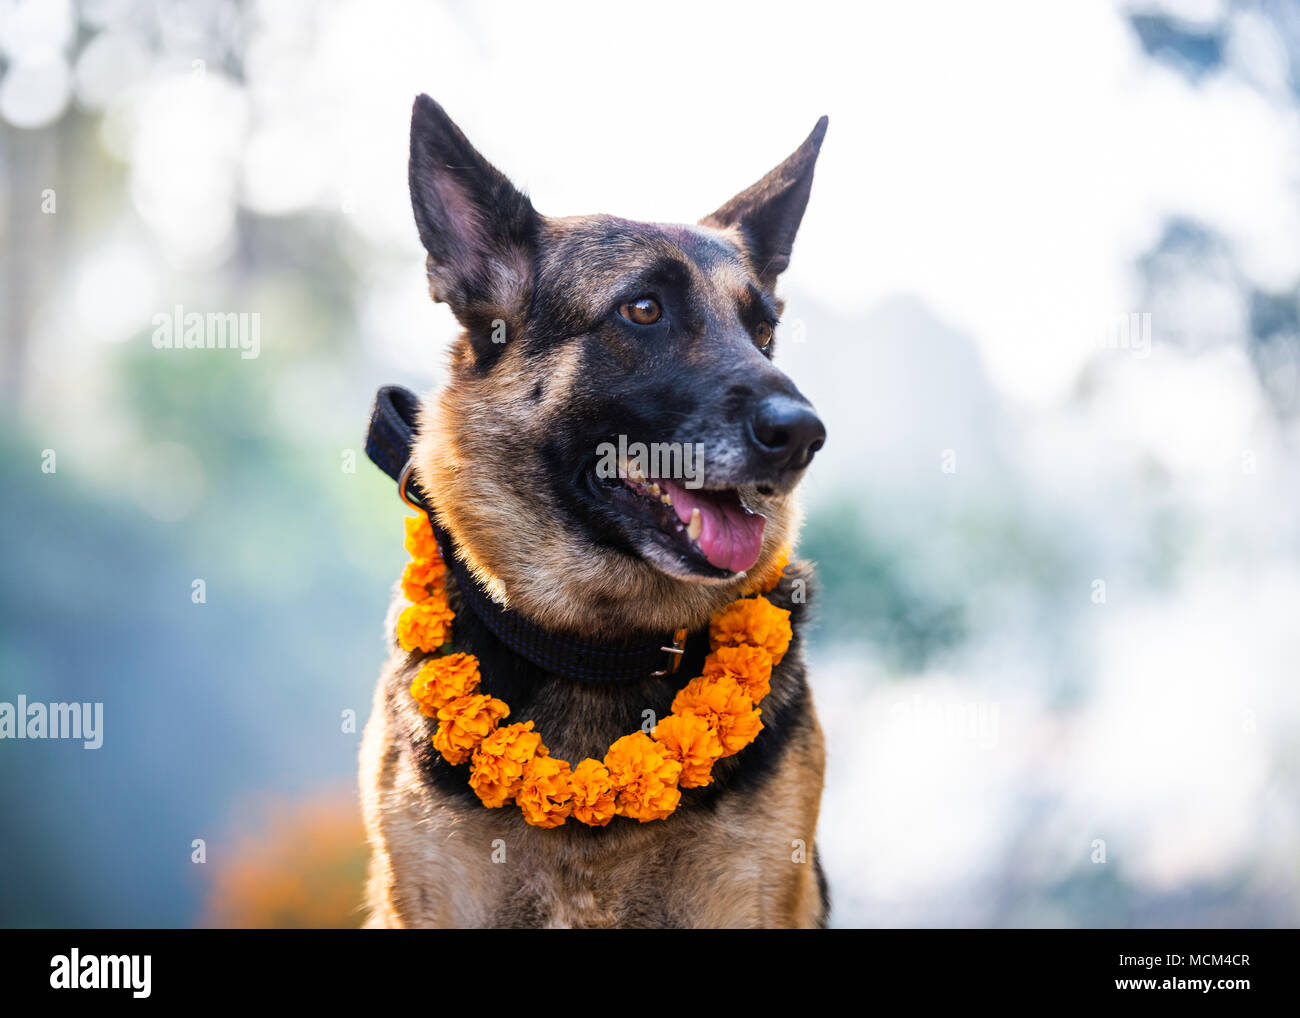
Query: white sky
x,y
1004,163
1006,166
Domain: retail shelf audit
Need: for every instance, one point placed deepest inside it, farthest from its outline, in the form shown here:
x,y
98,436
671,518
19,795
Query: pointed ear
x,y
480,232
769,212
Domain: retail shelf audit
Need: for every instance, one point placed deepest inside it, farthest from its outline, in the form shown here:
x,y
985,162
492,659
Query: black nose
x,y
786,432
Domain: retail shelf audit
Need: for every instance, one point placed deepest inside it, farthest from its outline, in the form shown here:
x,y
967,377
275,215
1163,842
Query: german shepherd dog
x,y
577,332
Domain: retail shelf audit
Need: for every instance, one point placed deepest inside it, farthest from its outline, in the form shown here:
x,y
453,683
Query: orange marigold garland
x,y
420,542
593,793
748,665
443,679
546,792
498,762
728,710
645,777
694,743
755,621
713,716
423,579
425,626
464,723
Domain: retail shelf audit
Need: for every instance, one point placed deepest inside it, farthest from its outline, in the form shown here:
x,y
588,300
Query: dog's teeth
x,y
696,526
634,471
654,490
666,499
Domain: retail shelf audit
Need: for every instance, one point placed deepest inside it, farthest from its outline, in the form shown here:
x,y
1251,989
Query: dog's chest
x,y
493,870
740,853
745,858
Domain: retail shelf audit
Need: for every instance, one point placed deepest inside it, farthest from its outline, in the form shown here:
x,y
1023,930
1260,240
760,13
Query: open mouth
x,y
711,531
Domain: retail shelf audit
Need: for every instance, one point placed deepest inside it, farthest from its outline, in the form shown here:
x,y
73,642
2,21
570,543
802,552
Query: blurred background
x,y
1045,296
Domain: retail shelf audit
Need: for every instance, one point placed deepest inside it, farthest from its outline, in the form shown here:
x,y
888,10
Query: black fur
x,y
769,212
470,219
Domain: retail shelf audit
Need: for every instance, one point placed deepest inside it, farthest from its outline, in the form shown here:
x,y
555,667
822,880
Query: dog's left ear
x,y
479,230
769,212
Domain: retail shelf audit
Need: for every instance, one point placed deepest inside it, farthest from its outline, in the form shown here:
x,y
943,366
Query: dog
x,y
580,334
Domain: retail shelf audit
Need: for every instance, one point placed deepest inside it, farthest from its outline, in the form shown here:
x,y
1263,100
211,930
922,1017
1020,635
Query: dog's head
x,y
614,448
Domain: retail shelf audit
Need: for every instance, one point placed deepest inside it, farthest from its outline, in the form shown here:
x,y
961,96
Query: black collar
x,y
388,444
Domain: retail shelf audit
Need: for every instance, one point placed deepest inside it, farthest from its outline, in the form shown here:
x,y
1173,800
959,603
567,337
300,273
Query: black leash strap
x,y
388,443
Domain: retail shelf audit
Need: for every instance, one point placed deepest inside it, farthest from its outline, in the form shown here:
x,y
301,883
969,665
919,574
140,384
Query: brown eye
x,y
642,311
763,335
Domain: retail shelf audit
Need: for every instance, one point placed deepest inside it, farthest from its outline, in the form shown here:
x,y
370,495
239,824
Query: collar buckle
x,y
674,653
402,479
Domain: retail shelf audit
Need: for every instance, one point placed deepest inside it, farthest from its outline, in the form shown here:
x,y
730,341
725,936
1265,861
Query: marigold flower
x,y
727,708
593,793
691,741
750,666
499,760
464,723
420,542
644,776
424,578
545,794
425,626
443,679
756,621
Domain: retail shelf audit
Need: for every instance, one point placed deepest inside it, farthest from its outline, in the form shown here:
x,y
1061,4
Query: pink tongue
x,y
730,538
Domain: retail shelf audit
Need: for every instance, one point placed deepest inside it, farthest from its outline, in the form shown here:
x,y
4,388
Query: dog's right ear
x,y
479,230
768,213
